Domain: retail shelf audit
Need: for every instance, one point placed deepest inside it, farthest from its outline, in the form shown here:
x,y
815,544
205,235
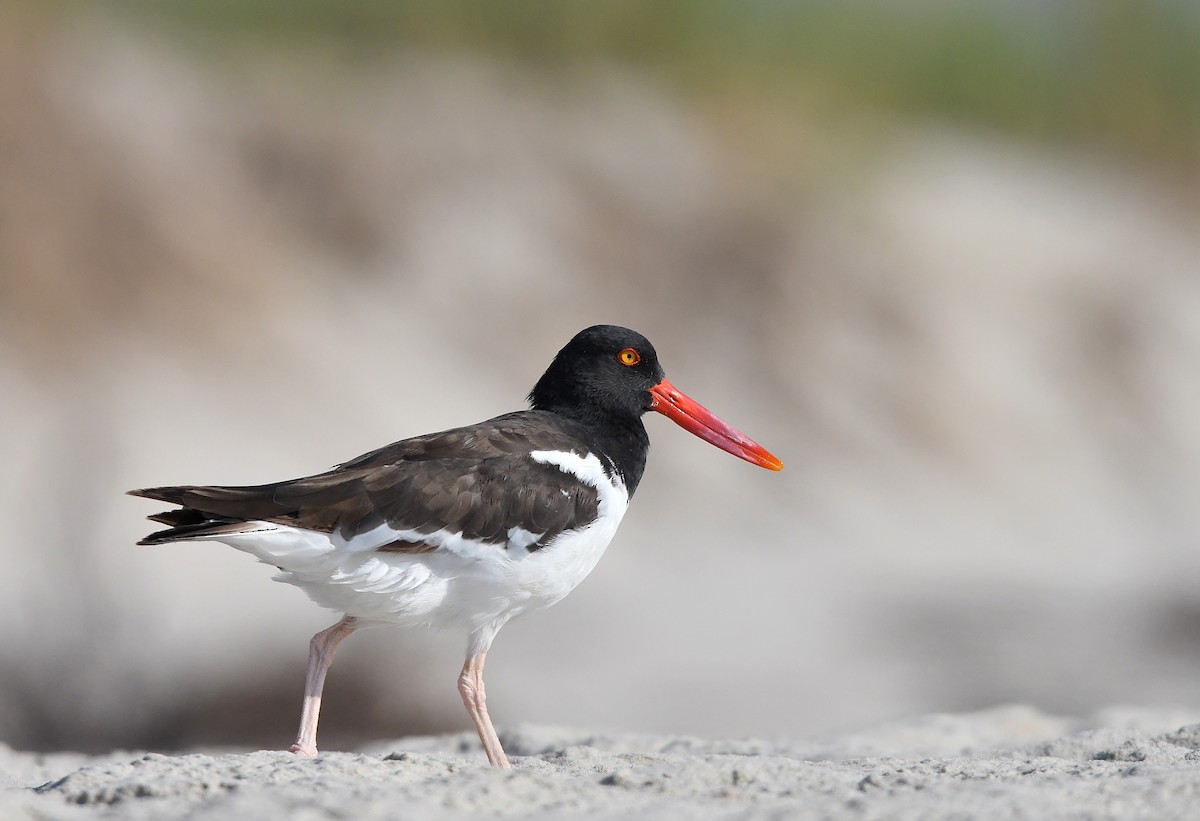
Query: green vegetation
x,y
1121,76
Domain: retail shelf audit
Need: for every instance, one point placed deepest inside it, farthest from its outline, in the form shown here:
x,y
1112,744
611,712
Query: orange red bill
x,y
699,420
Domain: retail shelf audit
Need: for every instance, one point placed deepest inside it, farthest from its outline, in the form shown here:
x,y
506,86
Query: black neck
x,y
621,441
607,411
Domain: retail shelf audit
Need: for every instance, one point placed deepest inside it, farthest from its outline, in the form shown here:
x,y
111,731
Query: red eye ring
x,y
629,357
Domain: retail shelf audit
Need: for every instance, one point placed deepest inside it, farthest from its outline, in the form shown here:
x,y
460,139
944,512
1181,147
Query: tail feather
x,y
205,511
178,518
250,502
170,495
193,531
318,503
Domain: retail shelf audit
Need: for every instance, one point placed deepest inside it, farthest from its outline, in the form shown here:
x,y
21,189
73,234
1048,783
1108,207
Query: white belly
x,y
461,583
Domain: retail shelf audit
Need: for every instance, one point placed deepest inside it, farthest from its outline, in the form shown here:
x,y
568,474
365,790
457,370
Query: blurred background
x,y
943,259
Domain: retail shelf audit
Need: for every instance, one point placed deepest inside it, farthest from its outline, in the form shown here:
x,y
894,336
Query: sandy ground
x,y
1009,762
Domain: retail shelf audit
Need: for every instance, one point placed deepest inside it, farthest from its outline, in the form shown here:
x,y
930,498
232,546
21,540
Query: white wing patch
x,y
385,534
521,539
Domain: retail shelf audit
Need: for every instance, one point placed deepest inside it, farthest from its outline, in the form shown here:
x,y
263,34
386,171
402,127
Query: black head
x,y
608,376
605,371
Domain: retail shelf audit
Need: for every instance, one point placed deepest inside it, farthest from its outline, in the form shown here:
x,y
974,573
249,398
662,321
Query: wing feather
x,y
478,482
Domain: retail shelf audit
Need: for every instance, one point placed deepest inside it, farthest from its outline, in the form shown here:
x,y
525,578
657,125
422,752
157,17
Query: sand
x,y
1009,762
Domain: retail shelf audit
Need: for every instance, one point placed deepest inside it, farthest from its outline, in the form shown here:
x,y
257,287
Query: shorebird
x,y
466,528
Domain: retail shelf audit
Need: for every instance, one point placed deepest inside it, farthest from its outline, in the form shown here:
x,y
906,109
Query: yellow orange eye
x,y
629,357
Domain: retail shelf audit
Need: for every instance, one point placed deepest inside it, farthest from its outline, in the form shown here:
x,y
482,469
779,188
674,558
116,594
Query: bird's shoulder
x,y
512,434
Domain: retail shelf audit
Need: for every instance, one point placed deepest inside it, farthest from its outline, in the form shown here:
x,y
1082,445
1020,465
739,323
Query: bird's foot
x,y
307,750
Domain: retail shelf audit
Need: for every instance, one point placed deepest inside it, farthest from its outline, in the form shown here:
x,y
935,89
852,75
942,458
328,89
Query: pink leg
x,y
320,656
470,687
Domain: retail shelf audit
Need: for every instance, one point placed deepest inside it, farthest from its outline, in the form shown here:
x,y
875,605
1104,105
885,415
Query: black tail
x,y
318,502
185,523
178,534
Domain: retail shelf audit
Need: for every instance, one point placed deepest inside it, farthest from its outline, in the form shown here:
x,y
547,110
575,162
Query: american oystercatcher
x,y
465,528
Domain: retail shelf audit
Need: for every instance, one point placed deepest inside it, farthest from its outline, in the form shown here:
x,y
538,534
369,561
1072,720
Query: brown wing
x,y
477,481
